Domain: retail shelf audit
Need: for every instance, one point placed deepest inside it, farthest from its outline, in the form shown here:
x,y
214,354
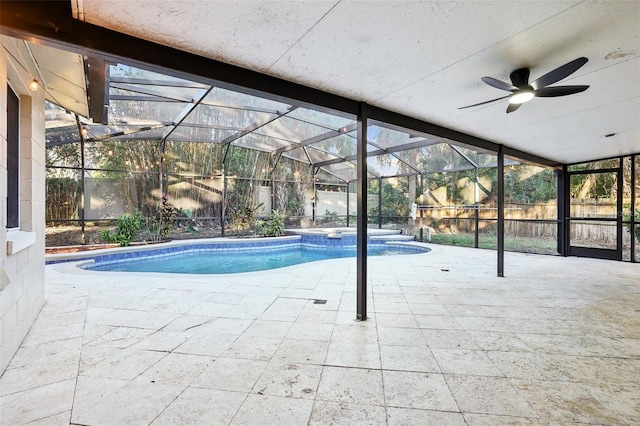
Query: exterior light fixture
x,y
521,97
33,86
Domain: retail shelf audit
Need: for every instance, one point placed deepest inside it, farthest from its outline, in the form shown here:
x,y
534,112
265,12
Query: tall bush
x,y
63,196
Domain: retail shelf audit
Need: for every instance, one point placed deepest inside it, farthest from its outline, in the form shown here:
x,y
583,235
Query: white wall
x,y
334,202
23,297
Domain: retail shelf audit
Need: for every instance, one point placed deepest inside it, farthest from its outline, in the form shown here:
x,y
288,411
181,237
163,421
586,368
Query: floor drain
x,y
444,270
319,301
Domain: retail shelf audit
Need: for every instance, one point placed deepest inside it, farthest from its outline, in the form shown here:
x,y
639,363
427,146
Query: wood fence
x,y
530,220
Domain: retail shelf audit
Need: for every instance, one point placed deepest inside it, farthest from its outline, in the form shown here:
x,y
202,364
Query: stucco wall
x,y
23,297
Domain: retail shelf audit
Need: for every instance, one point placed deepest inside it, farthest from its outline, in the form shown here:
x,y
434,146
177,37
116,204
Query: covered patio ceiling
x,y
424,59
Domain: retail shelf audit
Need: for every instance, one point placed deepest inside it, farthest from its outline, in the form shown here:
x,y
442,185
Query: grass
x,y
487,241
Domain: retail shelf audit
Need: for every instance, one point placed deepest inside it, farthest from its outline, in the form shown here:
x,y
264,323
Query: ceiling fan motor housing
x,y
520,78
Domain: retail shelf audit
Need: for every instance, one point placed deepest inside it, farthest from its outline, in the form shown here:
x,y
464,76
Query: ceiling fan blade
x,y
499,84
559,73
551,92
485,102
513,107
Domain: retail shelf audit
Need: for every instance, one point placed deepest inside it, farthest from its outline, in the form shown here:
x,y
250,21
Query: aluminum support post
x,y
361,269
500,212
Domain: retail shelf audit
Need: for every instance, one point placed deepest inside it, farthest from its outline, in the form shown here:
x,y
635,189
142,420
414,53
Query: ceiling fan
x,y
522,91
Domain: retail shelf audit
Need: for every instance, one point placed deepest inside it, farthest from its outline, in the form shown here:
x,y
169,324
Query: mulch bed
x,y
75,249
68,239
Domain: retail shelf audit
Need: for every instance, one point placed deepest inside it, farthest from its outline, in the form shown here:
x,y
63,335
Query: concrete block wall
x,y
3,175
22,299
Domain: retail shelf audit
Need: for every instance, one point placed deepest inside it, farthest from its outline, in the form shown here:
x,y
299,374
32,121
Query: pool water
x,y
220,262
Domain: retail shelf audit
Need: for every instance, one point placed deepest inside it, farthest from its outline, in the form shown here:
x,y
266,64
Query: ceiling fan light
x,y
521,97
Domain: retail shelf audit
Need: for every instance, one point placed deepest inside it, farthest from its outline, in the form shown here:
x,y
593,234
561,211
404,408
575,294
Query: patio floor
x,y
556,341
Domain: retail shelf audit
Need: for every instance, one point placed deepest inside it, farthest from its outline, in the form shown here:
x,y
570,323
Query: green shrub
x,y
273,226
244,218
127,229
330,217
191,225
160,222
627,218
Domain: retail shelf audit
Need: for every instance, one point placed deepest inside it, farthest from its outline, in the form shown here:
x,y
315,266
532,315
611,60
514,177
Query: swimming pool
x,y
232,255
213,261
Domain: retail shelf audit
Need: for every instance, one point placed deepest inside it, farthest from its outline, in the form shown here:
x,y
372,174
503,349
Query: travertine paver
x,y
556,341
